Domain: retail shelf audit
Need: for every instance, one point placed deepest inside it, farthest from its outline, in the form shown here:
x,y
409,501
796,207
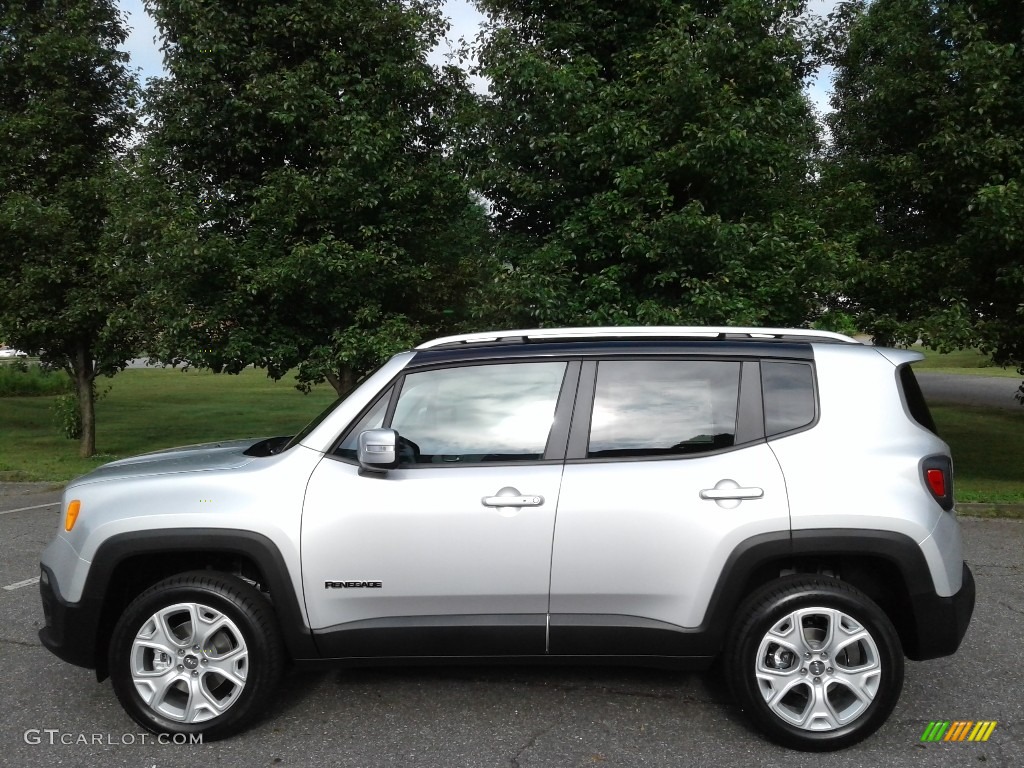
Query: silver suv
x,y
775,498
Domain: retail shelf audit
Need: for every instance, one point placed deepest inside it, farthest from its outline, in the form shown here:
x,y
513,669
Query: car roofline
x,y
639,332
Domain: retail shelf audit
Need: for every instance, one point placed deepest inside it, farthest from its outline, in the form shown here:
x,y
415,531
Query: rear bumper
x,y
941,622
70,630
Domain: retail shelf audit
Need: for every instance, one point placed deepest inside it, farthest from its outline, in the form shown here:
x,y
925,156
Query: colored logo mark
x,y
958,730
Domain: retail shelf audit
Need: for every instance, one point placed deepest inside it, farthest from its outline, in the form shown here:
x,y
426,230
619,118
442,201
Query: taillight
x,y
936,481
938,478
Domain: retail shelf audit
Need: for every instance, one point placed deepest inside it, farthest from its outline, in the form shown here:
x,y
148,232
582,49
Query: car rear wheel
x,y
198,653
815,663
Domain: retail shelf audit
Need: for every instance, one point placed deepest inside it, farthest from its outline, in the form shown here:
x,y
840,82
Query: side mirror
x,y
378,450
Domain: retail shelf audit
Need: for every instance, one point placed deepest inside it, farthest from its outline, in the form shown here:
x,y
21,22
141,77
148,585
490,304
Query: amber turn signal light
x,y
72,514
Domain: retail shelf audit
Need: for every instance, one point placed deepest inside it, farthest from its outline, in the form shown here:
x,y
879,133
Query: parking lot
x,y
56,714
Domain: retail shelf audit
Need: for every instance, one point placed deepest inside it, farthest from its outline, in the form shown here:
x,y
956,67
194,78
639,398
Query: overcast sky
x,y
465,21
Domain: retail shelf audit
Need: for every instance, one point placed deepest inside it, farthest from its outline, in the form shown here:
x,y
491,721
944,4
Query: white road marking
x,y
20,584
26,509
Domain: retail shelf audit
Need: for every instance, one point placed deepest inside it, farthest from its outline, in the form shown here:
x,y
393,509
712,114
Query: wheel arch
x,y
887,566
127,564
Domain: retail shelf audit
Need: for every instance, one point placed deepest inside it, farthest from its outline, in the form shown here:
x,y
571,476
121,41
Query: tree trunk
x,y
85,374
344,381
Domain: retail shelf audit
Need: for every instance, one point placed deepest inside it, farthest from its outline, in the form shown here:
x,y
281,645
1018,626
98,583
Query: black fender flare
x,y
192,541
754,553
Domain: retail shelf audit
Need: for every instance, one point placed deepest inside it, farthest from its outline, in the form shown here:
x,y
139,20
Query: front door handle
x,y
510,497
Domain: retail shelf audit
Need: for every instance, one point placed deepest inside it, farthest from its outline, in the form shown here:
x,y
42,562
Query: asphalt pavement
x,y
519,717
963,389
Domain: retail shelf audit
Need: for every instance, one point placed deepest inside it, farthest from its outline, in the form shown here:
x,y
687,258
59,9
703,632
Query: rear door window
x,y
663,408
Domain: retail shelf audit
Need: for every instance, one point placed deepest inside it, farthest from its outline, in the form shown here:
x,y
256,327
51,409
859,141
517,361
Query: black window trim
x,y
750,406
570,432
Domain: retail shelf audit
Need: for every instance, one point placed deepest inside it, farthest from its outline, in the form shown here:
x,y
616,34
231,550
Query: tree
x,y
650,162
929,137
66,115
310,208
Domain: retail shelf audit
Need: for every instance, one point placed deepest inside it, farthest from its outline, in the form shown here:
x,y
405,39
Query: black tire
x,y
187,694
793,705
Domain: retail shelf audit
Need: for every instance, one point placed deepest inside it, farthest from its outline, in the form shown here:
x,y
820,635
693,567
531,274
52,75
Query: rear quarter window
x,y
788,390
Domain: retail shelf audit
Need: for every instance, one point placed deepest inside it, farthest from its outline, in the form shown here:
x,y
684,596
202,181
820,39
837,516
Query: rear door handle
x,y
719,494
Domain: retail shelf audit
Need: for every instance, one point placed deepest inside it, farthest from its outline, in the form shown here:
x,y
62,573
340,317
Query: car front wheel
x,y
198,653
815,663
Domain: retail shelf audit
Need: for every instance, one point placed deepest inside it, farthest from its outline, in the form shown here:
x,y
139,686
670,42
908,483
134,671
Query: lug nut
x,y
181,667
195,673
807,655
824,655
207,661
817,679
195,647
803,670
830,670
181,651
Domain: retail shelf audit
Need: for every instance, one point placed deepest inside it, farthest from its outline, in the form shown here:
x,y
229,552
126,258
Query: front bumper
x,y
71,628
941,622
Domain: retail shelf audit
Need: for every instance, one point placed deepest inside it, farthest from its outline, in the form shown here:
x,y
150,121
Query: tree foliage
x,y
311,212
66,115
651,161
929,144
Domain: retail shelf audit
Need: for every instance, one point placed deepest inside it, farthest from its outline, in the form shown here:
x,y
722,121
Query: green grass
x,y
148,409
963,361
988,452
1000,511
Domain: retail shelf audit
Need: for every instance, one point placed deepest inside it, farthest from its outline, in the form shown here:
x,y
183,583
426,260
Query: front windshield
x,y
298,438
326,412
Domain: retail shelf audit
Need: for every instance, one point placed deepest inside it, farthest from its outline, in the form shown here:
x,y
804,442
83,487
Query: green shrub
x,y
69,418
21,379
